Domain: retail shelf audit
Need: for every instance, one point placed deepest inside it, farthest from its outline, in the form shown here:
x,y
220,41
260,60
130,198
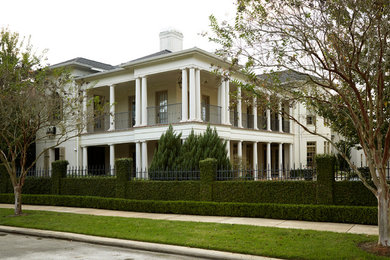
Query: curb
x,y
145,246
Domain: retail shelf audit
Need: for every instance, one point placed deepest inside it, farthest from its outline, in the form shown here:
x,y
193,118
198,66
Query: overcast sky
x,y
113,31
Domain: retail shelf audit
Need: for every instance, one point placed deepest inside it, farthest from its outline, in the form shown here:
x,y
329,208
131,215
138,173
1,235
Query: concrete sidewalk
x,y
319,226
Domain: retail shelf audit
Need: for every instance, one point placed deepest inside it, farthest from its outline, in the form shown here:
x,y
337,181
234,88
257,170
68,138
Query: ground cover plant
x,y
273,242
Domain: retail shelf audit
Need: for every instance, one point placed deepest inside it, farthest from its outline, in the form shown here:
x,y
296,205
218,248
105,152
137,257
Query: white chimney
x,y
171,40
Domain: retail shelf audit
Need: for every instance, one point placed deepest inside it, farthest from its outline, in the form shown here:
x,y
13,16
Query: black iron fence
x,y
168,175
351,175
35,172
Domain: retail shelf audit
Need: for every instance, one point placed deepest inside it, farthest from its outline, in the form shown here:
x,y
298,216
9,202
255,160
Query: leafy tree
x,y
165,158
342,47
33,98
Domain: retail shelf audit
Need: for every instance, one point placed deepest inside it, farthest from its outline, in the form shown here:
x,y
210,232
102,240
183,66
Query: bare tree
x,y
33,98
343,49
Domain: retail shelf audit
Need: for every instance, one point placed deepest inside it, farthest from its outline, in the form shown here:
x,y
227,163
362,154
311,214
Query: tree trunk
x,y
383,218
18,200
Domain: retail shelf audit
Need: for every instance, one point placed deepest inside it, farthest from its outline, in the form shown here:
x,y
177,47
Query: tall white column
x,y
112,108
145,159
222,92
85,112
239,153
198,95
227,102
192,95
112,159
239,108
254,112
268,161
144,102
184,95
280,118
255,160
137,102
228,148
268,120
290,156
85,157
138,166
290,111
280,160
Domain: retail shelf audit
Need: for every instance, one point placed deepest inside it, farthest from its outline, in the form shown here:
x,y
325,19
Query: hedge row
x,y
353,193
103,187
326,213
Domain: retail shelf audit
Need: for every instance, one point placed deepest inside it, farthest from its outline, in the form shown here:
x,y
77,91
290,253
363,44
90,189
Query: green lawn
x,y
273,242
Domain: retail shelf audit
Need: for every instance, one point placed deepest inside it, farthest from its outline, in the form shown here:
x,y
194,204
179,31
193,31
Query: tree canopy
x,y
343,49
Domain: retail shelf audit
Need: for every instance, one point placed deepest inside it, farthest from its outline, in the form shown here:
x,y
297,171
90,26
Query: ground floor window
x,y
311,152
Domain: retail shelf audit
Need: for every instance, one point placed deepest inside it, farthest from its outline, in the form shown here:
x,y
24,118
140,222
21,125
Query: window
x,y
56,113
326,147
326,122
310,153
132,111
310,120
205,108
59,153
162,107
98,117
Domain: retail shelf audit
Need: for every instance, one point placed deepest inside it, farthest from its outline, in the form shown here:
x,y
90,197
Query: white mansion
x,y
179,87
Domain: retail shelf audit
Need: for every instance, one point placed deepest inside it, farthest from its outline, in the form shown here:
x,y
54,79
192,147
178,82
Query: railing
x,y
100,124
350,175
247,121
262,122
90,171
286,126
211,114
124,120
36,172
168,175
282,174
234,118
274,124
164,114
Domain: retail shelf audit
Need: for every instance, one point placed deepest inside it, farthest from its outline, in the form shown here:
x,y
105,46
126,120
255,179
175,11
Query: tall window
x,y
162,107
326,147
205,108
311,152
310,117
131,111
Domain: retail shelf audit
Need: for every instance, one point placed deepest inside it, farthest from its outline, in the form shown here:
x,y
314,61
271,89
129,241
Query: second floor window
x,y
310,153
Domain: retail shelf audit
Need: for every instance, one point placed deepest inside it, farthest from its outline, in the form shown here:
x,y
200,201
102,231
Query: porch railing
x,y
90,171
164,114
286,126
211,114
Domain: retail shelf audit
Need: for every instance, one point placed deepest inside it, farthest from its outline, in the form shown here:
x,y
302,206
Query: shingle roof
x,y
86,62
284,76
163,52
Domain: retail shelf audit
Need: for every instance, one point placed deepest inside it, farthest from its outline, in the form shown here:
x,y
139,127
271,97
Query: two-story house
x,y
178,87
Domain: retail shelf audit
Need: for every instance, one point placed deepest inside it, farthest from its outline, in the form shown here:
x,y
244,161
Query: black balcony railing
x,y
167,114
124,120
211,114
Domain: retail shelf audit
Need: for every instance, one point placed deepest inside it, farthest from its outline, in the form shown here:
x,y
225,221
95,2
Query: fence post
x,y
59,169
208,172
4,179
325,165
123,168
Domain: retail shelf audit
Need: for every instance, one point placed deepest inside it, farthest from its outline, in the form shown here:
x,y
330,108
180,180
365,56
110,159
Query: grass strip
x,y
265,241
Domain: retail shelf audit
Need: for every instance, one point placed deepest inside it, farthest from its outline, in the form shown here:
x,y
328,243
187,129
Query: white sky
x,y
113,31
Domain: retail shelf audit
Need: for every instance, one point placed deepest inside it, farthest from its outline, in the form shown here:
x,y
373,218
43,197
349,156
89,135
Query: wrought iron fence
x,y
90,171
35,172
168,175
164,114
351,175
124,120
281,174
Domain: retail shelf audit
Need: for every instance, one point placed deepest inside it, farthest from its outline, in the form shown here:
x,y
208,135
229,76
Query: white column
x,y
268,120
280,160
255,162
290,156
254,112
138,159
198,95
222,93
145,159
192,95
227,102
268,161
144,102
184,96
85,112
280,118
112,158
239,108
85,160
228,148
239,153
290,111
112,108
137,102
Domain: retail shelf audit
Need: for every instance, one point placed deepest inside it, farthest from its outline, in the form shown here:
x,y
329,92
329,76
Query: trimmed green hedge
x,y
163,190
284,192
96,186
340,214
34,185
353,193
325,178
